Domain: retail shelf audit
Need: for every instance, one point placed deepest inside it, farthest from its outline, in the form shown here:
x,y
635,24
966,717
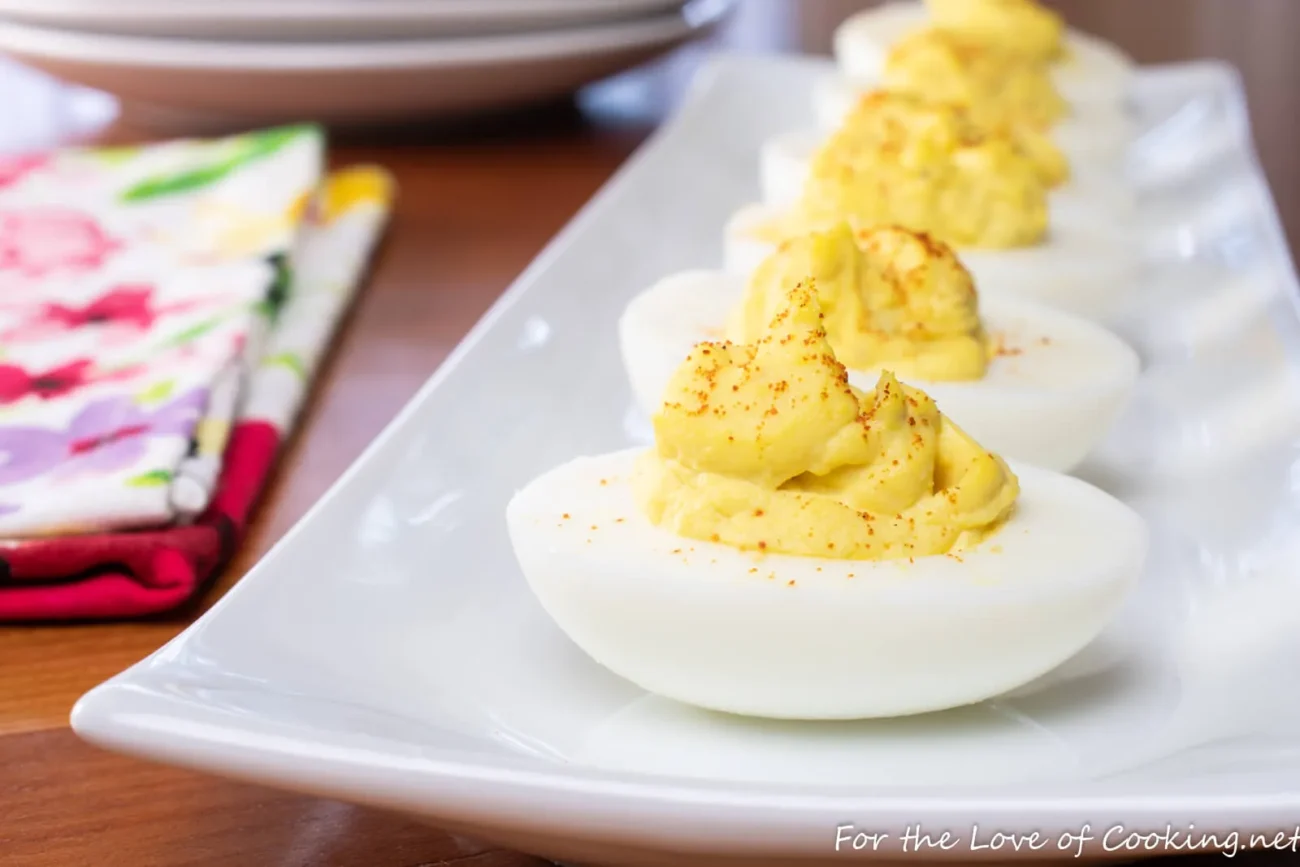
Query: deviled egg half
x,y
1090,194
915,163
1094,140
1031,383
1003,75
1086,69
795,547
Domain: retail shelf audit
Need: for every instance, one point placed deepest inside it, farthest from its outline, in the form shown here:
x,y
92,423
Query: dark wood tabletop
x,y
457,239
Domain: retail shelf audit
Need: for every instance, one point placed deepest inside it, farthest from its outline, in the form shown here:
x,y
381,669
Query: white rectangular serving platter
x,y
388,651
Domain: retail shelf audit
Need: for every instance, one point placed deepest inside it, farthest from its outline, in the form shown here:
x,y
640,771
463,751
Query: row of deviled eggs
x,y
855,503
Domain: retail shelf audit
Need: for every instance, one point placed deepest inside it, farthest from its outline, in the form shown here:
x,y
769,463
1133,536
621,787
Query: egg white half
x,y
1088,196
1096,73
1094,138
1086,267
803,638
1048,400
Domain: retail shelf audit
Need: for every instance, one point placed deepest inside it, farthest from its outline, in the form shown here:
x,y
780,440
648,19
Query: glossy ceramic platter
x,y
389,652
183,86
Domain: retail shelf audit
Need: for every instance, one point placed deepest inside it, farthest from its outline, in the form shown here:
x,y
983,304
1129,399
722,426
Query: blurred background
x,y
149,68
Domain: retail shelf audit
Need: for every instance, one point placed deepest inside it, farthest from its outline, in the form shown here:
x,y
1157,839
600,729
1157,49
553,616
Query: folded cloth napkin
x,y
127,574
133,283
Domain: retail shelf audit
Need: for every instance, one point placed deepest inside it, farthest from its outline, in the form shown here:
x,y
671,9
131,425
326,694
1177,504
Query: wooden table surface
x,y
458,238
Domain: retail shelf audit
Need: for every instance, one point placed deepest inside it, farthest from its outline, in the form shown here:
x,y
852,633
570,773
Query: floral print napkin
x,y
132,283
313,288
128,574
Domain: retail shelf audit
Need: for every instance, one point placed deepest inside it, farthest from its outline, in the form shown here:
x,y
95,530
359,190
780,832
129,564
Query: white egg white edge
x,y
603,495
806,638
1054,428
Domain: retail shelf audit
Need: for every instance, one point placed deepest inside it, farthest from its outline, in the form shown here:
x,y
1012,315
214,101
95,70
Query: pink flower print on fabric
x,y
123,313
109,434
15,167
16,383
123,305
41,241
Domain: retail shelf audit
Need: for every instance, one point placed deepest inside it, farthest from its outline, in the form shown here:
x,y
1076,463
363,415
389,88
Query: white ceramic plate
x,y
323,19
387,651
197,85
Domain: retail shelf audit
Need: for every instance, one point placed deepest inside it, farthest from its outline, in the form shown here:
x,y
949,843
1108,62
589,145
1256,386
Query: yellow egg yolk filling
x,y
1021,26
998,88
765,447
895,119
899,160
889,297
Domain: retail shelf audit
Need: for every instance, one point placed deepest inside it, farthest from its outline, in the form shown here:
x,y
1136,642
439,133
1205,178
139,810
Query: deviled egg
x,y
1000,86
1083,194
795,547
917,164
1031,383
1086,69
1001,91
1094,139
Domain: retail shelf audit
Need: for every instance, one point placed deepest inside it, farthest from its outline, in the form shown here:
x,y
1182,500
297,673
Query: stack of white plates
x,y
215,63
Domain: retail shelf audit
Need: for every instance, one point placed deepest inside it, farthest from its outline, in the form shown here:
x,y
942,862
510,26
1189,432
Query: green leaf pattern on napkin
x,y
245,149
151,479
194,332
156,393
288,360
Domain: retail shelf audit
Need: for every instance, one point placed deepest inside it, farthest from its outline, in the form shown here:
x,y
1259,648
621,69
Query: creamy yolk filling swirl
x,y
765,446
1000,89
900,160
889,297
